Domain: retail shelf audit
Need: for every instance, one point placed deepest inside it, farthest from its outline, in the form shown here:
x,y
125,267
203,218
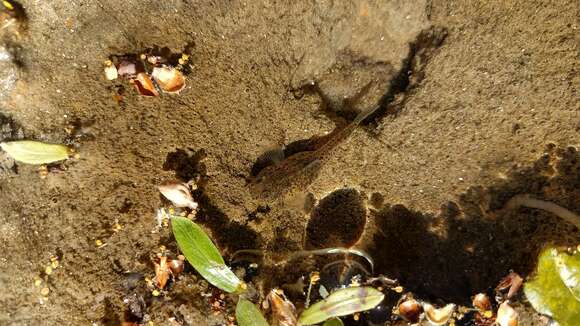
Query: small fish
x,y
300,169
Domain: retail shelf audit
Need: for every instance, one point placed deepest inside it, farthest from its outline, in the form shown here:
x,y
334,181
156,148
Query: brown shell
x,y
410,310
144,85
170,80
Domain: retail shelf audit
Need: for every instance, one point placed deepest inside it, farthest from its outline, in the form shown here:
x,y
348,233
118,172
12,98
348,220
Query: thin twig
x,y
527,201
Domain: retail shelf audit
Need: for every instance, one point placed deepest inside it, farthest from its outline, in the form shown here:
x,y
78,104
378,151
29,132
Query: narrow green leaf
x,y
342,302
35,152
333,322
553,289
247,314
202,254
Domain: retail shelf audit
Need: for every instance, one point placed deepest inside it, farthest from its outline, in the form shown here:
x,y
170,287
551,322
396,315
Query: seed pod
x,y
179,194
439,316
170,80
506,315
177,265
481,302
144,85
410,310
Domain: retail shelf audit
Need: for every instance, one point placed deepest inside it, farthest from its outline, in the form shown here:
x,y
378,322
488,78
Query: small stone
x,y
44,291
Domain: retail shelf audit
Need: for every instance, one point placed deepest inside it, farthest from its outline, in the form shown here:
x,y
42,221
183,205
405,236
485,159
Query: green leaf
x,y
569,270
35,152
204,256
247,314
554,290
342,302
333,322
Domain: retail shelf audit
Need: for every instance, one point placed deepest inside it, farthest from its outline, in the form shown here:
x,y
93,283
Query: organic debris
x,y
439,316
166,268
512,282
170,80
179,194
506,315
283,310
151,72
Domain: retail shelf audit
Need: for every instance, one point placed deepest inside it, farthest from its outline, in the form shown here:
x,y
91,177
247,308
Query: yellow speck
x,y
314,277
156,293
8,5
43,171
398,289
54,264
162,248
37,282
117,227
108,63
48,270
76,156
53,258
488,314
150,323
44,291
98,242
356,316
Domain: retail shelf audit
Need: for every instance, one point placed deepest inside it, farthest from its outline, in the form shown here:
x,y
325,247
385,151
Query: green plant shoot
x,y
247,314
202,254
342,302
35,152
555,290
